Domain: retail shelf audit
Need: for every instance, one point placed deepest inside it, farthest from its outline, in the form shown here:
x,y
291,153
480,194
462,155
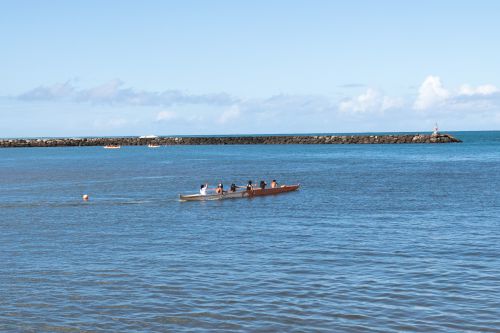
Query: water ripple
x,y
379,239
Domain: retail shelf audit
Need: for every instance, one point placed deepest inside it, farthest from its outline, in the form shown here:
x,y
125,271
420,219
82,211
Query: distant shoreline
x,y
230,140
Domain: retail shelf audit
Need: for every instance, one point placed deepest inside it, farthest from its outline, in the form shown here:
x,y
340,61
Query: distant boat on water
x,y
112,147
151,145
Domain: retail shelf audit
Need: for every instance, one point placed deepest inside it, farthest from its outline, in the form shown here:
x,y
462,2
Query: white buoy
x,y
85,197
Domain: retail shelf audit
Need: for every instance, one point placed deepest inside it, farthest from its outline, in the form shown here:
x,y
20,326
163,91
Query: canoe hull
x,y
208,197
270,191
236,195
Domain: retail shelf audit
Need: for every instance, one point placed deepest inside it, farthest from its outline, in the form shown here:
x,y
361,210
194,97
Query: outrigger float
x,y
256,192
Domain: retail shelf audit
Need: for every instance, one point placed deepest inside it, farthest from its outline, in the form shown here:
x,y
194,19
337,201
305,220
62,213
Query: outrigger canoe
x,y
257,192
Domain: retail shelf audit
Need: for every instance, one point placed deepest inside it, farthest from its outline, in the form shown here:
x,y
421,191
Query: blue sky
x,y
222,67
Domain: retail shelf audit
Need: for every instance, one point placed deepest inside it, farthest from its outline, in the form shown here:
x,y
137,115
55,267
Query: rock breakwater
x,y
233,140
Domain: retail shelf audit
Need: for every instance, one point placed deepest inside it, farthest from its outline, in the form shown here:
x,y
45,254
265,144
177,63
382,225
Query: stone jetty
x,y
233,140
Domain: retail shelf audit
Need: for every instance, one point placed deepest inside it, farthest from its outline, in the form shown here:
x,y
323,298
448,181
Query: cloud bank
x,y
371,101
432,95
114,92
114,105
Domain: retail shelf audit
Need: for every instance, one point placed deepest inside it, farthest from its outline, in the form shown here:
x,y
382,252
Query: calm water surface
x,y
380,238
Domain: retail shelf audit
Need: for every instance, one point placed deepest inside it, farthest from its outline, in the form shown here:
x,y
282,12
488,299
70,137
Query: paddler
x,y
249,186
274,184
203,189
219,189
263,184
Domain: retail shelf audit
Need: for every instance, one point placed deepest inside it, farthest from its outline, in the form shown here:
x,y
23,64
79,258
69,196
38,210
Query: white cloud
x,y
229,115
392,103
368,110
114,93
56,91
370,101
431,93
165,116
103,93
484,90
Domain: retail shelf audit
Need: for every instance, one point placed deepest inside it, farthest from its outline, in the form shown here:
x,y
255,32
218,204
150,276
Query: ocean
x,y
379,238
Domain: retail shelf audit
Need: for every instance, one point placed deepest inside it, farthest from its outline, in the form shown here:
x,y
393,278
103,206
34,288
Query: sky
x,y
92,68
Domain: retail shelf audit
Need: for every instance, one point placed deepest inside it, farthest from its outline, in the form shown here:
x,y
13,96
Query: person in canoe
x,y
219,189
232,189
249,186
274,184
263,184
203,189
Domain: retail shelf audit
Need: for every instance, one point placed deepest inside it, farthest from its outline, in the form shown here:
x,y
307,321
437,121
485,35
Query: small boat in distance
x,y
152,145
256,192
112,147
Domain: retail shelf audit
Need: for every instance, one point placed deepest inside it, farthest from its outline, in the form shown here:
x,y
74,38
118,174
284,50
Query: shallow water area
x,y
380,238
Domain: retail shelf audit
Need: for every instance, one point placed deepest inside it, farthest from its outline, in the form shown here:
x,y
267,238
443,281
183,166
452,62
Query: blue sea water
x,y
380,238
